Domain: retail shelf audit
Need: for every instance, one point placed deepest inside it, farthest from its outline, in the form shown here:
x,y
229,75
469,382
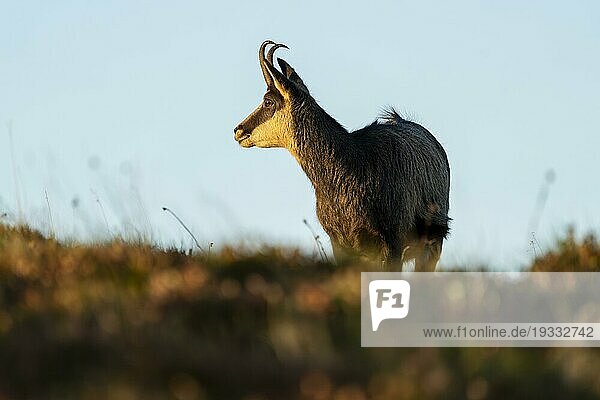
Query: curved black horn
x,y
262,61
272,51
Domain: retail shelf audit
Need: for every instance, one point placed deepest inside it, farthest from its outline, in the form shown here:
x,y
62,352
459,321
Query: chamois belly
x,y
349,226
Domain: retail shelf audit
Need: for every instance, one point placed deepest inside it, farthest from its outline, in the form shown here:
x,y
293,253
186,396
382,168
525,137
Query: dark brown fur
x,y
382,191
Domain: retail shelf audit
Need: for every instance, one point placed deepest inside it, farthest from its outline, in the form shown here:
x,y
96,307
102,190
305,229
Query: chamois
x,y
382,191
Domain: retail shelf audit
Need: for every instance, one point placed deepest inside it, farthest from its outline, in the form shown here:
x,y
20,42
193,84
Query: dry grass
x,y
129,321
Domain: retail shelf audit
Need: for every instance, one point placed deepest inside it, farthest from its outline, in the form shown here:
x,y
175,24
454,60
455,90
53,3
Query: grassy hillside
x,y
129,321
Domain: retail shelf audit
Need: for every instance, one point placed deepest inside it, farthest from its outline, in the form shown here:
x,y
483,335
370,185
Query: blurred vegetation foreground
x,y
125,321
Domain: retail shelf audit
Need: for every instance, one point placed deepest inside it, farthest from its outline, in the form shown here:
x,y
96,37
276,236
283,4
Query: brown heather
x,y
130,321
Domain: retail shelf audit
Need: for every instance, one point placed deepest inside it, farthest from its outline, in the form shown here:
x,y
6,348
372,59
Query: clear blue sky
x,y
136,102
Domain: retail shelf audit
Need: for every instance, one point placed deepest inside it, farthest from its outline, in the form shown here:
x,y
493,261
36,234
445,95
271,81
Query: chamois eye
x,y
268,103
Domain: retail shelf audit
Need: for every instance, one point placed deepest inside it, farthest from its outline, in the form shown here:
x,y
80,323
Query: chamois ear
x,y
291,74
279,82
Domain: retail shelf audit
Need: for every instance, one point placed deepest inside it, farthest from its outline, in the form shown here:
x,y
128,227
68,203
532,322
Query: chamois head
x,y
272,123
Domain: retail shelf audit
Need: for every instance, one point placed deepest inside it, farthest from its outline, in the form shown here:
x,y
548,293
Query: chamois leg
x,y
338,252
342,254
391,256
428,255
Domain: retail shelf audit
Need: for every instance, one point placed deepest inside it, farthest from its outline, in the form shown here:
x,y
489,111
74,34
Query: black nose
x,y
239,133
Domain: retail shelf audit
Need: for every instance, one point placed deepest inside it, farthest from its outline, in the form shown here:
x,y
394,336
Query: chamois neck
x,y
320,146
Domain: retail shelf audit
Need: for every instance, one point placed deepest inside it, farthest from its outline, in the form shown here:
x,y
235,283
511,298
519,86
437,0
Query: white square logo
x,y
389,300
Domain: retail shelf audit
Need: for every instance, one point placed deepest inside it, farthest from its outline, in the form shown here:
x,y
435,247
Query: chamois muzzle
x,y
240,134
